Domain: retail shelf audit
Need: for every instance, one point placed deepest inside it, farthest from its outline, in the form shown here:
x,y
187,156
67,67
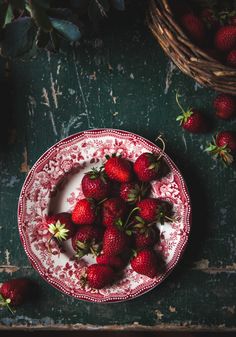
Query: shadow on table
x,y
199,203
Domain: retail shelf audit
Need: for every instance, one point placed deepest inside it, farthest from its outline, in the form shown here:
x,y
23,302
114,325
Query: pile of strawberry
x,y
116,220
211,24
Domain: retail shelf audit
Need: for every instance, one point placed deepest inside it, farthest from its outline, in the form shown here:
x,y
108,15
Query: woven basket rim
x,y
190,58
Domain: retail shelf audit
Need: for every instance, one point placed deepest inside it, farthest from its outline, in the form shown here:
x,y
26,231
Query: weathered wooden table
x,y
120,81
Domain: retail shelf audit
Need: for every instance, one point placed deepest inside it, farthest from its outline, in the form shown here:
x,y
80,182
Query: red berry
x,y
225,106
191,120
113,261
147,167
154,210
115,241
194,27
145,263
133,192
231,58
225,38
87,240
118,169
15,291
226,139
224,146
146,238
84,212
95,185
60,226
99,276
112,210
208,16
149,209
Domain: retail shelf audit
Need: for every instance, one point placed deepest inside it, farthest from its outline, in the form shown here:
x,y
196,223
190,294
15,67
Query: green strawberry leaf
x,y
9,15
67,29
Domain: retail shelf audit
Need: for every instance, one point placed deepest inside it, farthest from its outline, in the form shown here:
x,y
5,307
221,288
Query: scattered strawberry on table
x,y
225,106
115,224
192,120
224,146
14,292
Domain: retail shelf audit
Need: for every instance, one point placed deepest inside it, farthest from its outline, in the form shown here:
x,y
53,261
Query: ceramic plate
x,y
53,185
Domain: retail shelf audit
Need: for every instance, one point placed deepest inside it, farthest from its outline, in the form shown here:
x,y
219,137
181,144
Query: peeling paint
x,y
55,89
45,97
159,314
171,67
203,265
7,257
24,168
8,269
172,309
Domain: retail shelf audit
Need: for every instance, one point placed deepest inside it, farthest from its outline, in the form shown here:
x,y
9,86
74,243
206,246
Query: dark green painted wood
x,y
122,81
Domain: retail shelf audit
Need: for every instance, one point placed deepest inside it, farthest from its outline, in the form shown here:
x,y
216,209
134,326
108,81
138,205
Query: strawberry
x,y
194,27
113,261
153,210
147,166
84,212
14,292
224,146
208,16
133,192
145,262
231,58
115,241
60,226
95,184
118,169
191,120
225,106
225,38
98,276
112,210
87,239
145,235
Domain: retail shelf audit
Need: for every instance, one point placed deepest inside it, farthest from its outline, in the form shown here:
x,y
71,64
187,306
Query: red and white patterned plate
x,y
53,185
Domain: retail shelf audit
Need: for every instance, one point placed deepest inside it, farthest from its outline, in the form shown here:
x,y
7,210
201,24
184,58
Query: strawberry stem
x,y
6,302
177,96
100,202
163,147
128,218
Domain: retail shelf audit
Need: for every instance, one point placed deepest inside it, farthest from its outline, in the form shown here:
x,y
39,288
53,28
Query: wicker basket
x,y
192,60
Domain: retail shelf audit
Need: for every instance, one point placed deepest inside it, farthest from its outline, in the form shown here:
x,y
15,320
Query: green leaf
x,y
9,15
18,38
70,31
3,12
98,9
40,16
18,4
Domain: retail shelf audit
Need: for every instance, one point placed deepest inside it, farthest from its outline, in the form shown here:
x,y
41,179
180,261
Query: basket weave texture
x,y
190,59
